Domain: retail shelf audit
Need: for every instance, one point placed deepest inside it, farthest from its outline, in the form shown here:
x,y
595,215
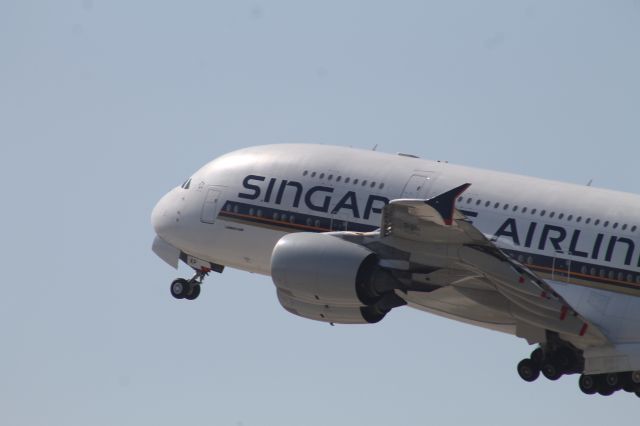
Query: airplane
x,y
349,235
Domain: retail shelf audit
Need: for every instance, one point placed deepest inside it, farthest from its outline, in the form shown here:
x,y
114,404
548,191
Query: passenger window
x,y
355,181
524,210
533,211
615,225
543,212
561,215
487,204
496,205
552,214
606,224
478,202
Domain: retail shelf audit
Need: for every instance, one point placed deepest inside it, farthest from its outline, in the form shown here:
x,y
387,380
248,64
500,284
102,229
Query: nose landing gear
x,y
188,289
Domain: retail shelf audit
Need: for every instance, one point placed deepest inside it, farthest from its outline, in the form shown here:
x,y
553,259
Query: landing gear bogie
x,y
557,359
552,364
188,289
607,384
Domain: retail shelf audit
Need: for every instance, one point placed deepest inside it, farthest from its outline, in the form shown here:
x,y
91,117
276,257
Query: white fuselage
x,y
238,206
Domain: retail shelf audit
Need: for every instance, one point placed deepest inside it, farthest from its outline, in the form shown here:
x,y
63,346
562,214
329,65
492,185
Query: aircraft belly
x,y
616,314
238,246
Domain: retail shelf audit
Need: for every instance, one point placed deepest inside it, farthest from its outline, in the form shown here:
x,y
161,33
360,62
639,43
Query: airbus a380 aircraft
x,y
348,235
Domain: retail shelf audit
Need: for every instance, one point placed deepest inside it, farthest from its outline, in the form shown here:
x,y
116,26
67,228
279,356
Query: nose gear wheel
x,y
188,289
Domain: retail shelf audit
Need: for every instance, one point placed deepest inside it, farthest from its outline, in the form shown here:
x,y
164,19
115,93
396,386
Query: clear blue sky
x,y
106,105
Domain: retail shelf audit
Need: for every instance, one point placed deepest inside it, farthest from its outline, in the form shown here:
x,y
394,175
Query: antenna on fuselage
x,y
590,182
374,147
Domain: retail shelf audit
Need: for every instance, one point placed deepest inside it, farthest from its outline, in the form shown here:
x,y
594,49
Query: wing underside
x,y
458,273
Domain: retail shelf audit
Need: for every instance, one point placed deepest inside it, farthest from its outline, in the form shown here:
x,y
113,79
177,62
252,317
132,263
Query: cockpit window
x,y
186,184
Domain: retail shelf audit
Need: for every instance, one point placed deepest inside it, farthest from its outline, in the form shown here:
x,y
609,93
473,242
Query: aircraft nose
x,y
164,217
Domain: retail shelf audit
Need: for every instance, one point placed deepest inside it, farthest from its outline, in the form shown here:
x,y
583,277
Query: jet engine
x,y
323,277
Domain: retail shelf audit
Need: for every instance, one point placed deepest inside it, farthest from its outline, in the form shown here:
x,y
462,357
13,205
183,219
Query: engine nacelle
x,y
323,269
328,313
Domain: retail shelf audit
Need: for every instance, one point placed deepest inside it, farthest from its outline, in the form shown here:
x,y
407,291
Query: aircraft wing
x,y
442,249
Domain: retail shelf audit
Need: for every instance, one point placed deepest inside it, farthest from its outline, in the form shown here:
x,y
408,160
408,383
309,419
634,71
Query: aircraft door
x,y
211,205
561,270
419,185
340,219
339,222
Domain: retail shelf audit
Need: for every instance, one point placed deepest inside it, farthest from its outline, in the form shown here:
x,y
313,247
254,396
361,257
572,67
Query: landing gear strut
x,y
188,289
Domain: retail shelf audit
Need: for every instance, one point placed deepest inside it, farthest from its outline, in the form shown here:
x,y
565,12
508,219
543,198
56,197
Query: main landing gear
x,y
553,364
607,384
188,289
556,362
